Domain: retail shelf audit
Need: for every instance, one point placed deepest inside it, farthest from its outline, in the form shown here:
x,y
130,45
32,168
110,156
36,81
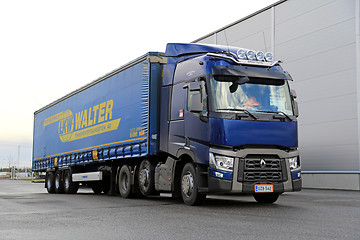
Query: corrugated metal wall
x,y
317,42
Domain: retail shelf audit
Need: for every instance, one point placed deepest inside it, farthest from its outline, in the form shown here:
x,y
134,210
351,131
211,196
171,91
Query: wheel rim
x,y
144,176
187,184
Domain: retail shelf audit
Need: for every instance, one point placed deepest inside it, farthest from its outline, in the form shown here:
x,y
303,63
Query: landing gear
x,y
97,187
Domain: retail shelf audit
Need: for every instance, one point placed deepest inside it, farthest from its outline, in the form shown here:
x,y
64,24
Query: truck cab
x,y
228,123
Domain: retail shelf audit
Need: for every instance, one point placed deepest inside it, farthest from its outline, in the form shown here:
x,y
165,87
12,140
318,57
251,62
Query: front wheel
x,y
189,186
266,197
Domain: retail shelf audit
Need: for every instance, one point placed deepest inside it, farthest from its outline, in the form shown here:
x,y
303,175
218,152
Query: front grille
x,y
262,169
255,164
263,176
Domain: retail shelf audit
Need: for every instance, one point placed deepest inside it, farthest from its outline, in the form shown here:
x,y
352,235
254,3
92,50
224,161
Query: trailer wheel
x,y
189,186
146,178
125,181
70,187
266,197
59,182
50,182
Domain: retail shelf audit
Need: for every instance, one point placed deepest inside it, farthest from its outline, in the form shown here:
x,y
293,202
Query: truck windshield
x,y
252,97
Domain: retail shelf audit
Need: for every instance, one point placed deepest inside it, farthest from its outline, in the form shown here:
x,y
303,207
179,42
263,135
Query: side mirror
x,y
294,102
296,108
195,105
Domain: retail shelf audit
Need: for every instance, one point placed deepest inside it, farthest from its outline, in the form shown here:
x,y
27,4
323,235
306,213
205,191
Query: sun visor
x,y
275,72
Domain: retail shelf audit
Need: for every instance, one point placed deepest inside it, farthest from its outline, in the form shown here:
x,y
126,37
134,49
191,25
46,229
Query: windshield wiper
x,y
277,112
240,110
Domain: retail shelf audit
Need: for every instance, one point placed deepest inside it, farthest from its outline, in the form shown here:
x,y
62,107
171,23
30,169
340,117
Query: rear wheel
x,y
50,182
59,182
70,187
146,178
266,197
189,186
124,181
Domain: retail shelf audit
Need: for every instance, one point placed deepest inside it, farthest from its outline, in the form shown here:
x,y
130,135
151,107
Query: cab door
x,y
196,120
177,121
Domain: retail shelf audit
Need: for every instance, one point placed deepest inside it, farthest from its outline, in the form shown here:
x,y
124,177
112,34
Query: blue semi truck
x,y
196,120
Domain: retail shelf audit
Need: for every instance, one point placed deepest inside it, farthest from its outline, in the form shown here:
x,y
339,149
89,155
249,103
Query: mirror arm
x,y
203,118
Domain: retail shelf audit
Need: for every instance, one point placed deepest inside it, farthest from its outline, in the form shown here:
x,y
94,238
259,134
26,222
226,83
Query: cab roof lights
x,y
269,57
260,56
251,55
241,54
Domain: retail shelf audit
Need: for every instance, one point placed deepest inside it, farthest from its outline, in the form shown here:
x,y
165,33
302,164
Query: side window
x,y
204,98
197,98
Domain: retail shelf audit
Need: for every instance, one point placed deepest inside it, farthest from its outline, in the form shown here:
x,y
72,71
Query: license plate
x,y
264,188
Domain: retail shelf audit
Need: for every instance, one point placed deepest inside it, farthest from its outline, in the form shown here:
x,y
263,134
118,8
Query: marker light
x,y
241,53
260,56
251,55
269,57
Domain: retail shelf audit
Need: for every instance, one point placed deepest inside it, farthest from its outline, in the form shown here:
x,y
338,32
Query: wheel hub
x,y
187,184
144,177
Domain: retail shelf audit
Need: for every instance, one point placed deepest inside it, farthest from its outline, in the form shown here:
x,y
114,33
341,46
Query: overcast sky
x,y
50,48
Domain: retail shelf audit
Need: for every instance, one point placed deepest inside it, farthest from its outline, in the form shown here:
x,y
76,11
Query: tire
x,y
70,187
59,182
124,182
266,197
189,186
146,178
50,182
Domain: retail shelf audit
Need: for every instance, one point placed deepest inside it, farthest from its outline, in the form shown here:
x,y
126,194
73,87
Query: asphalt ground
x,y
27,211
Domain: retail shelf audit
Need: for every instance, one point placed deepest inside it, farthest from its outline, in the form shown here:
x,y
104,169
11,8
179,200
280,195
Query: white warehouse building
x,y
319,44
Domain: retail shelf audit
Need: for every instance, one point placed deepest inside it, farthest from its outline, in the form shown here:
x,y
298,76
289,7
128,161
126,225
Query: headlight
x,y
221,162
294,163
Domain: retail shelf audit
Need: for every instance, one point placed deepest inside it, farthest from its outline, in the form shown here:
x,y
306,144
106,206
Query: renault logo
x,y
262,163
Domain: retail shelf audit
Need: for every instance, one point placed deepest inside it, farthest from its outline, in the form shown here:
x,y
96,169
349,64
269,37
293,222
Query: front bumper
x,y
222,182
